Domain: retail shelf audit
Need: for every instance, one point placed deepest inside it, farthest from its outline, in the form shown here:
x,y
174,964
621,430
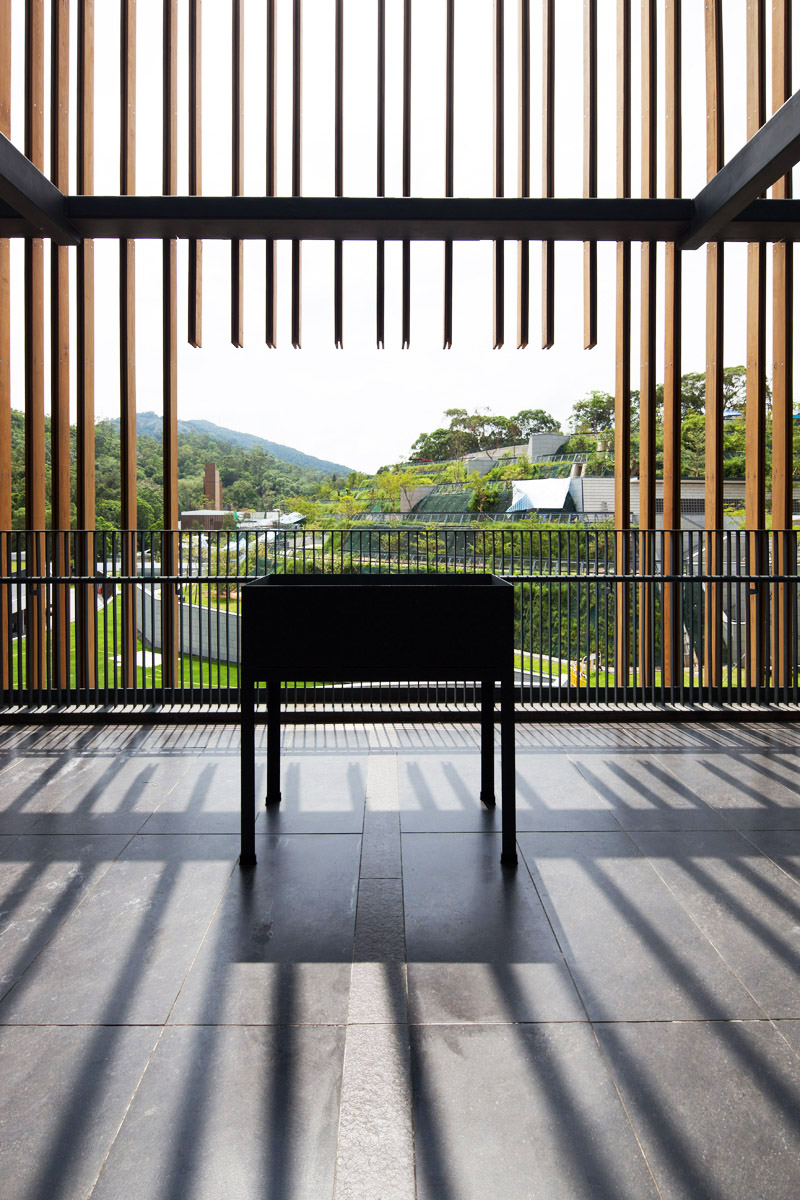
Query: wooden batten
x,y
499,165
127,343
548,166
237,167
195,324
272,178
450,124
524,172
755,410
785,555
297,163
169,555
60,344
5,365
622,387
589,167
380,182
673,316
338,170
406,264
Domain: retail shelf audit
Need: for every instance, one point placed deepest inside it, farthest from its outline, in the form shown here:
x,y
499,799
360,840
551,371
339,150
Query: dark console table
x,y
378,628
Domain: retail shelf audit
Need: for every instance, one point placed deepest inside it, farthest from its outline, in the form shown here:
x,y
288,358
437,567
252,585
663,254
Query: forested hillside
x,y
250,478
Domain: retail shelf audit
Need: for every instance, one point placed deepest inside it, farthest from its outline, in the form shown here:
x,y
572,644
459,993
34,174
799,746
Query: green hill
x,y
149,423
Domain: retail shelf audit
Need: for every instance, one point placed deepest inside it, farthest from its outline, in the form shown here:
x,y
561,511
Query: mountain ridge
x,y
149,424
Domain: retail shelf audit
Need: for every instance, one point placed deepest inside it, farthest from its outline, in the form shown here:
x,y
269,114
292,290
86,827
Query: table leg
x,y
487,743
273,742
247,763
508,771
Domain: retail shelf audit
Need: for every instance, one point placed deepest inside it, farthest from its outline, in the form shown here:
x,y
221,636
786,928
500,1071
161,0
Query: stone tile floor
x,y
378,1010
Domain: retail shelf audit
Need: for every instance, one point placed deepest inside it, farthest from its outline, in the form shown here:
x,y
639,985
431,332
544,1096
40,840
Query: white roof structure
x,y
547,494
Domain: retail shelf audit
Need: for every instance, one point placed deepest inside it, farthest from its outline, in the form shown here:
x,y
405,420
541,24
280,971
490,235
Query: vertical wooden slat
x,y
272,175
589,167
196,167
380,150
782,368
338,138
622,389
237,166
35,498
297,162
647,357
127,339
755,412
673,619
169,596
715,319
406,299
498,256
59,338
449,128
86,647
524,168
5,361
548,165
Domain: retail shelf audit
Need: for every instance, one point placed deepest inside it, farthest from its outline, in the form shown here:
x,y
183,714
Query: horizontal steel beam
x,y
33,198
379,219
767,156
400,219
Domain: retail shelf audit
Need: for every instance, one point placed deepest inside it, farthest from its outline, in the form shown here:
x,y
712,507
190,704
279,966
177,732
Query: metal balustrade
x,y
149,622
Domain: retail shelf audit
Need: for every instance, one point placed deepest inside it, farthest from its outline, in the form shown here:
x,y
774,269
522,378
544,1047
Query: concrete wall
x,y
203,632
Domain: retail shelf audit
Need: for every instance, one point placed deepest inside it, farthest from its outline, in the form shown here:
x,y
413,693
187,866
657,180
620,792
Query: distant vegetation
x,y
251,478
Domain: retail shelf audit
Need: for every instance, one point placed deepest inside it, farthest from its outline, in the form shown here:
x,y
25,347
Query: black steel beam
x,y
32,196
767,156
379,219
399,219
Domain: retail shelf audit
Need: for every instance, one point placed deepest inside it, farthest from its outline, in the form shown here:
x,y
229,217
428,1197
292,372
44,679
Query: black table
x,y
378,628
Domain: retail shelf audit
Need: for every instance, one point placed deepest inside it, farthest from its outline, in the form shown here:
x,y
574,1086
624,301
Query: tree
x,y
593,414
535,420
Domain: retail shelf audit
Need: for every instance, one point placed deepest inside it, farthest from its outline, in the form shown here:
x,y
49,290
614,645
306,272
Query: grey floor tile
x,y
478,943
206,799
553,794
440,793
321,793
376,1140
123,953
42,881
278,1139
791,1031
517,1112
643,793
634,952
744,905
378,983
63,1095
280,947
783,847
380,847
714,1105
750,789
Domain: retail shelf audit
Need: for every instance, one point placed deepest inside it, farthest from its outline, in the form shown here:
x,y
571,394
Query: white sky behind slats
x,y
361,406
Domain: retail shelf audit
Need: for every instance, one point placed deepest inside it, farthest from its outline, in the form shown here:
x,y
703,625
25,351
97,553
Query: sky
x,y
360,406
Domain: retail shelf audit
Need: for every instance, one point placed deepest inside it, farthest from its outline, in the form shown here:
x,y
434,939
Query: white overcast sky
x,y
364,407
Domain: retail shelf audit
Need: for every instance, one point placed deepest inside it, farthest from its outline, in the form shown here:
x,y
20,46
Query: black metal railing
x,y
603,618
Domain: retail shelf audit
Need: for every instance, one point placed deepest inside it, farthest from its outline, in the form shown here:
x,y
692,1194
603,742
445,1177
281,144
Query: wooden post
x,y
755,414
589,167
715,321
548,166
237,167
127,344
499,164
524,170
622,390
196,167
673,555
35,483
647,378
85,611
5,368
785,557
170,635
